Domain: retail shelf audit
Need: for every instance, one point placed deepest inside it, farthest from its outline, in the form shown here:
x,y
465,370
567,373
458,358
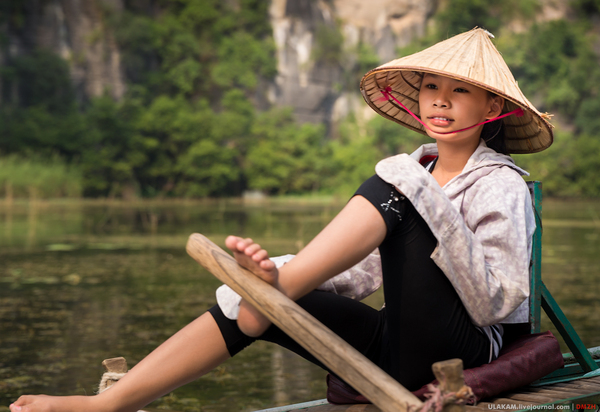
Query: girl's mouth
x,y
440,120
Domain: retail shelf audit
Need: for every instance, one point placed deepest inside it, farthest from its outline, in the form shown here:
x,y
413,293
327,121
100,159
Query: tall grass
x,y
36,177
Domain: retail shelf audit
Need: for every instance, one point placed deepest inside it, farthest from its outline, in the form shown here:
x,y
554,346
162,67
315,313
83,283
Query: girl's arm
x,y
351,235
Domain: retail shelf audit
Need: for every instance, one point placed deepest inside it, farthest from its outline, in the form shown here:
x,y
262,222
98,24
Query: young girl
x,y
453,223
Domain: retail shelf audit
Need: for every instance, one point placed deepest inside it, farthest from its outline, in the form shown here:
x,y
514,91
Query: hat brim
x,y
529,133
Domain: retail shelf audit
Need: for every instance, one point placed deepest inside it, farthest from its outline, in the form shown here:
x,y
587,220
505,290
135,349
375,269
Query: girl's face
x,y
447,104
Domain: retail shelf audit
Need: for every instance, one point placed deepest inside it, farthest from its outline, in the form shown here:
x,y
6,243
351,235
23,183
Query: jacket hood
x,y
481,163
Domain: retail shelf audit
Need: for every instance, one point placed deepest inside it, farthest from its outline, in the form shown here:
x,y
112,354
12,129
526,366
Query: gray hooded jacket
x,y
484,222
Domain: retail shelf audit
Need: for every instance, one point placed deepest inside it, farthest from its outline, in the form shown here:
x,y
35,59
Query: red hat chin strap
x,y
387,96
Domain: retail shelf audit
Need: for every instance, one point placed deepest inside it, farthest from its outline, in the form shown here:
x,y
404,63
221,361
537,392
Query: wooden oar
x,y
330,349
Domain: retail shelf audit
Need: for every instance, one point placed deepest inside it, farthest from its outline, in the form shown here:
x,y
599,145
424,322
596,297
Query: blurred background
x,y
197,98
126,125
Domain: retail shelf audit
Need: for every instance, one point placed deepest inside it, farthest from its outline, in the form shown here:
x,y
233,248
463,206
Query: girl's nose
x,y
441,100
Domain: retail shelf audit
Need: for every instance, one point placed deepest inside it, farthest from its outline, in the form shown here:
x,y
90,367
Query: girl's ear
x,y
496,106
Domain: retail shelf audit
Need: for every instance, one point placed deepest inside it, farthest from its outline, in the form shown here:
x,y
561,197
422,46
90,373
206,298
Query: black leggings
x,y
424,320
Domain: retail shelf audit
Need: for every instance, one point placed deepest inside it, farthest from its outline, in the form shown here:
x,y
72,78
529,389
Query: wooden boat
x,y
580,394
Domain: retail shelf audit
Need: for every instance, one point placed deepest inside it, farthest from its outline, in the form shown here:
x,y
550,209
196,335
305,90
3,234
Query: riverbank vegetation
x,y
195,121
36,177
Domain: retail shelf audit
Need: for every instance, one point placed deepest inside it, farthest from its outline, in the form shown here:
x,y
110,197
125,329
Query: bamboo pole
x,y
367,378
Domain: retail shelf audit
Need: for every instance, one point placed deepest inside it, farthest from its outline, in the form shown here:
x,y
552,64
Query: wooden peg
x,y
116,365
450,376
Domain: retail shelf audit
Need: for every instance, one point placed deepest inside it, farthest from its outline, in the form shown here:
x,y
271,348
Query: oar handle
x,y
349,364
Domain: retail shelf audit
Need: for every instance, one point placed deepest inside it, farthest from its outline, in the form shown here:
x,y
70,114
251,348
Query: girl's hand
x,y
251,256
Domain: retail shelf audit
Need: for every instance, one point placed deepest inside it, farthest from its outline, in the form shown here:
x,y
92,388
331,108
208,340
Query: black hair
x,y
493,135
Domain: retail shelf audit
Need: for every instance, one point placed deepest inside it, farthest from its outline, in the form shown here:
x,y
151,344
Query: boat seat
x,y
521,361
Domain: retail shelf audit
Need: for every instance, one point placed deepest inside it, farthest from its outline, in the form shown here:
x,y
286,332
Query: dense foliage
x,y
557,67
195,120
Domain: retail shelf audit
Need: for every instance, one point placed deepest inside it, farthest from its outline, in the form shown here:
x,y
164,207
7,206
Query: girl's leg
x,y
426,321
192,352
358,324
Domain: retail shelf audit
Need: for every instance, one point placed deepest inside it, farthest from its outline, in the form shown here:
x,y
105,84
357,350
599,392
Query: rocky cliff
x,y
308,84
383,25
307,81
75,30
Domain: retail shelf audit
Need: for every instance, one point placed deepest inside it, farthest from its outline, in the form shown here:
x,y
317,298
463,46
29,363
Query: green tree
x,y
212,163
586,163
40,115
587,119
550,166
457,16
284,157
555,64
195,64
241,60
354,155
391,138
110,160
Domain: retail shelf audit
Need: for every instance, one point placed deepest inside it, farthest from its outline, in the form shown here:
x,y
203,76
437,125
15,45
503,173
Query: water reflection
x,y
81,282
85,281
571,264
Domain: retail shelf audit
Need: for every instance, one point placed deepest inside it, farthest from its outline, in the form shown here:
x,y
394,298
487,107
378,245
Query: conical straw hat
x,y
470,57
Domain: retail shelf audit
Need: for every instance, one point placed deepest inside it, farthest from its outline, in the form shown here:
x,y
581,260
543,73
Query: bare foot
x,y
251,256
44,403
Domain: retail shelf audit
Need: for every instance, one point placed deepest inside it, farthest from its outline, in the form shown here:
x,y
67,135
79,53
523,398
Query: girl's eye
x,y
461,90
431,86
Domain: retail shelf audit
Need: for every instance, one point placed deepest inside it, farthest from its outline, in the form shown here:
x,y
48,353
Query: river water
x,y
82,281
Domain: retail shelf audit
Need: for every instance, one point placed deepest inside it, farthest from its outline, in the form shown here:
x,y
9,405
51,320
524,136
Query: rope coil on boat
x,y
109,376
436,399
